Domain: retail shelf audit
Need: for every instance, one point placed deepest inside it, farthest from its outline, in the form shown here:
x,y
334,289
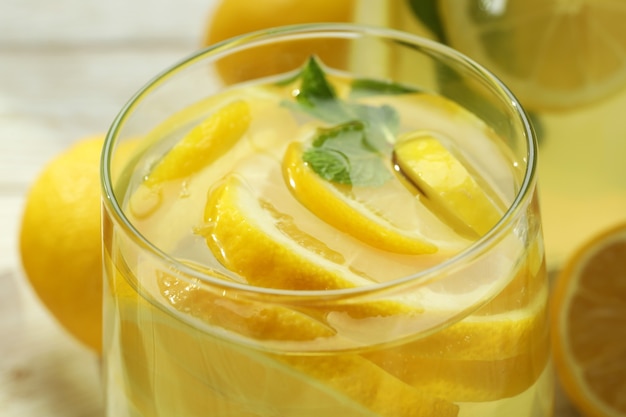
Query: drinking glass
x,y
457,333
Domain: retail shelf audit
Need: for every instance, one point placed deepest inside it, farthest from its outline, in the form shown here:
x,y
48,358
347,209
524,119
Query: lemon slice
x,y
588,323
205,143
259,239
248,237
484,357
367,213
199,148
553,54
479,359
201,363
446,182
266,247
346,375
466,380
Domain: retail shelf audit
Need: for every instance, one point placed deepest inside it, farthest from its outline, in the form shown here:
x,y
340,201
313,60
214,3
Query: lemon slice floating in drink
x,y
252,230
203,144
446,182
357,210
253,239
341,382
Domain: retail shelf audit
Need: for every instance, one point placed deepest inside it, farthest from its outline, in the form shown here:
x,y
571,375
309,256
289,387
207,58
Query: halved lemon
x,y
589,325
553,54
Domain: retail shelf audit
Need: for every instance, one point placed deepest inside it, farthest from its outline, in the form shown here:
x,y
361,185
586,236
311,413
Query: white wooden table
x,y
66,67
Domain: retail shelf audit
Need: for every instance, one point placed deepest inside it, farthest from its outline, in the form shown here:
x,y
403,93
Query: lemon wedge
x,y
343,380
446,182
206,142
247,236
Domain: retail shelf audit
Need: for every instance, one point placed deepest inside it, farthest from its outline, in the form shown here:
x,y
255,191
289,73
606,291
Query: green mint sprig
x,y
365,87
342,154
352,150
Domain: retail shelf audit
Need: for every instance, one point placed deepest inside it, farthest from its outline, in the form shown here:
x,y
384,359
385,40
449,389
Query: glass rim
x,y
346,31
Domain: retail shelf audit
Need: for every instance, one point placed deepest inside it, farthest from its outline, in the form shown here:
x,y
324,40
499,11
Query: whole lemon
x,y
60,243
237,17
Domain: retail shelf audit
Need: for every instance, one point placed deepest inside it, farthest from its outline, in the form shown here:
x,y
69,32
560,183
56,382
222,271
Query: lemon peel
x,y
338,209
205,143
587,321
242,235
446,182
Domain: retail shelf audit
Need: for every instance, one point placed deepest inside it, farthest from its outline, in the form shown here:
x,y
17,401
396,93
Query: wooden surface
x,y
66,67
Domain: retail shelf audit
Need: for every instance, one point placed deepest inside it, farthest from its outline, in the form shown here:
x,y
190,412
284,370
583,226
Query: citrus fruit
x,y
420,365
498,352
237,17
60,245
237,218
553,54
446,182
291,213
206,142
343,381
588,321
355,210
491,355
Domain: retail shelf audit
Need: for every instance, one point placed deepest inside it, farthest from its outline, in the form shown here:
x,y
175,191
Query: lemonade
x,y
564,60
321,243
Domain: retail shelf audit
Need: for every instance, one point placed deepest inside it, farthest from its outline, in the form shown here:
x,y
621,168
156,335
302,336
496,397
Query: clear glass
x,y
581,144
183,336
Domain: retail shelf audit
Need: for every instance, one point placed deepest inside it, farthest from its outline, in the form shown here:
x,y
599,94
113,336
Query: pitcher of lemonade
x,y
566,62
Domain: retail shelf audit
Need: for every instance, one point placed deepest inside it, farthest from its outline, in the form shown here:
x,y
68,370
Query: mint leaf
x,y
367,87
329,164
381,124
342,131
317,96
353,151
314,85
342,154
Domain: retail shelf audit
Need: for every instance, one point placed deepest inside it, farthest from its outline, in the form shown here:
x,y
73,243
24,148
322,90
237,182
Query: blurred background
x,y
66,68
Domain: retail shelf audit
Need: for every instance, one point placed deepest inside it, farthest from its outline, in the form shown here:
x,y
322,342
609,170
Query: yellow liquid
x,y
581,170
477,345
